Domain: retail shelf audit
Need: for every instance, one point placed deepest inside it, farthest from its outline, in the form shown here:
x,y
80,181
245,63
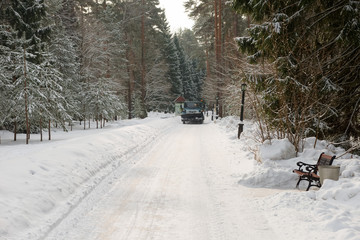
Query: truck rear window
x,y
192,105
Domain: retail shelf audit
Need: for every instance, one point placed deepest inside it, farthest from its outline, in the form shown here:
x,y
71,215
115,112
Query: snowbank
x,y
331,212
277,149
41,182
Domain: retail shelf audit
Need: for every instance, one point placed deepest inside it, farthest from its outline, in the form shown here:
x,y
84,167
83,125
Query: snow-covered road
x,y
156,178
179,188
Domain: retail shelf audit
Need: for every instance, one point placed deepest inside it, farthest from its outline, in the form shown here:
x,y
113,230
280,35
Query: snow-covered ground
x,y
159,179
332,212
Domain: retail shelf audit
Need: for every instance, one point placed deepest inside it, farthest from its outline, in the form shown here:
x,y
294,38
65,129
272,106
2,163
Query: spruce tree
x,y
185,78
314,47
35,78
170,54
6,40
25,18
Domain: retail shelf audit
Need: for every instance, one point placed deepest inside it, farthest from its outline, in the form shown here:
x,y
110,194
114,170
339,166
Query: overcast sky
x,y
175,14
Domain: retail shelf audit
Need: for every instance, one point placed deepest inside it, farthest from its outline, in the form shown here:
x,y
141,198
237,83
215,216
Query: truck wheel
x,y
183,122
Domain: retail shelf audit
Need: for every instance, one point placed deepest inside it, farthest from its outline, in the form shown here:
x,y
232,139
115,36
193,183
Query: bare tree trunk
x,y
41,132
84,118
218,50
235,25
216,31
82,53
207,63
26,102
143,82
220,31
130,62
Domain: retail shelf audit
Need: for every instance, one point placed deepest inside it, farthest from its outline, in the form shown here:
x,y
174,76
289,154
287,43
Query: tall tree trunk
x,y
218,49
84,117
26,101
207,63
220,56
220,31
97,116
41,132
130,70
143,82
216,31
83,60
235,25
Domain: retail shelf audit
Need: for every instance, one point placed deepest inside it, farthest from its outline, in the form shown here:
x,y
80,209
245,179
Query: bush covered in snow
x,y
333,208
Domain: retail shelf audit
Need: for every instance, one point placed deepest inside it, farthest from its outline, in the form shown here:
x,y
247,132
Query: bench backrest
x,y
325,160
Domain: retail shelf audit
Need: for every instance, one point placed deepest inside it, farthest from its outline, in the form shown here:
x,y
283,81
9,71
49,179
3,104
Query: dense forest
x,y
310,55
95,60
299,59
65,60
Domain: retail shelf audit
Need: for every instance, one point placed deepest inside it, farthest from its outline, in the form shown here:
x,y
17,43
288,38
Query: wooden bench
x,y
308,172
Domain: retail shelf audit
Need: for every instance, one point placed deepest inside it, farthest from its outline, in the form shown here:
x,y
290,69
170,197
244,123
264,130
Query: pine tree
x,y
314,47
159,96
64,52
26,18
192,48
170,54
183,68
216,25
6,37
197,79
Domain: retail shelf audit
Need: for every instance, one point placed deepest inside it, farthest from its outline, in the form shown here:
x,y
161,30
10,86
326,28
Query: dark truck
x,y
193,112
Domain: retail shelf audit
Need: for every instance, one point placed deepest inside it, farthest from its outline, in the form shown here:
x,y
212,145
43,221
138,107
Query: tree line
x,y
299,59
90,60
94,59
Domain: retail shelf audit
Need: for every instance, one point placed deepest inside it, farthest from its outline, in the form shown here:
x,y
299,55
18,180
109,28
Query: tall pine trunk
x,y
26,101
41,132
218,49
130,70
143,82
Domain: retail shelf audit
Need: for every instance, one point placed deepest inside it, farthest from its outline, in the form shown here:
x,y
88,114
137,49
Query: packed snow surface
x,y
157,178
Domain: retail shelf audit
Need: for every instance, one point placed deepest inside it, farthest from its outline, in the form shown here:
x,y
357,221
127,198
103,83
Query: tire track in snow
x,y
178,189
80,206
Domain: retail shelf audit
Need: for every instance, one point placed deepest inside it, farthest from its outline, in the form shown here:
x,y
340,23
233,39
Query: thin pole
x,y
241,124
242,106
